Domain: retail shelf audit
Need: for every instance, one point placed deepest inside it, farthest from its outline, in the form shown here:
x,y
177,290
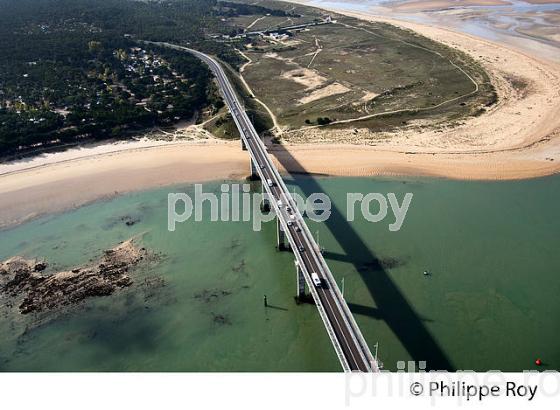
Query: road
x,y
343,331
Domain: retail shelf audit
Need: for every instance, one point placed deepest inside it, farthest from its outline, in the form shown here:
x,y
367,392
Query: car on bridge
x,y
316,279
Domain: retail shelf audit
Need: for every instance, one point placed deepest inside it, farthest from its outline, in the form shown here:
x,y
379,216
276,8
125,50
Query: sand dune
x,y
524,117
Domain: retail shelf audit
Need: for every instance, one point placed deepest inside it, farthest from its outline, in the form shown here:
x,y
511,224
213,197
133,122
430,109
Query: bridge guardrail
x,y
348,318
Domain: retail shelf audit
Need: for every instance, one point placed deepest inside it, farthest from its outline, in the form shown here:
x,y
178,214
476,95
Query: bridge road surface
x,y
343,331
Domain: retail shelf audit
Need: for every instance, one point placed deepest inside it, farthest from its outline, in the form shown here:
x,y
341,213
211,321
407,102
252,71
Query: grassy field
x,y
260,22
223,126
353,69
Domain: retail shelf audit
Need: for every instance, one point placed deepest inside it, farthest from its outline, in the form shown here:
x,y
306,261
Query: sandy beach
x,y
541,1
55,184
48,186
418,5
518,138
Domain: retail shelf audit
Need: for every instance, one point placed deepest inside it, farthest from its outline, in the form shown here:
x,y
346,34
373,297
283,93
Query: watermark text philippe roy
x,y
236,202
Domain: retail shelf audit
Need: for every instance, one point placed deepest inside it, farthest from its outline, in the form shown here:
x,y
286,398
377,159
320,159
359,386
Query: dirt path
x,y
254,22
525,116
276,129
316,53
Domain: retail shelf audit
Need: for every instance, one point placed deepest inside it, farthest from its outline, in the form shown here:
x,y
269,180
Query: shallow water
x,y
481,21
491,301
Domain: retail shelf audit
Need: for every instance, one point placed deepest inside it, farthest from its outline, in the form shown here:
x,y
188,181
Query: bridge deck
x,y
349,344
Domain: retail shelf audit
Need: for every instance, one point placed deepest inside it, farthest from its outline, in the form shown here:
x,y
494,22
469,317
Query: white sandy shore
x,y
417,5
80,152
519,138
70,183
56,186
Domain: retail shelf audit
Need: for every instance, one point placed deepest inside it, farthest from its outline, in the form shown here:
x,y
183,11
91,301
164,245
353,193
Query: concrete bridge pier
x,y
254,175
243,146
300,282
280,236
265,204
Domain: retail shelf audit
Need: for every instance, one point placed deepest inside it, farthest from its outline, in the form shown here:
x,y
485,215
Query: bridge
x,y
346,338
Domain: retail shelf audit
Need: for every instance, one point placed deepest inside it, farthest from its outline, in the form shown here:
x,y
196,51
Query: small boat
x,y
426,273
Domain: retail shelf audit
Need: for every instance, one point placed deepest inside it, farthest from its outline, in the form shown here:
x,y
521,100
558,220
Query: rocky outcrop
x,y
24,279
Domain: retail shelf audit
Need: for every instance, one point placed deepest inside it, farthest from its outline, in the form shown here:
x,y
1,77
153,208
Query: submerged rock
x,y
210,295
130,220
21,278
221,319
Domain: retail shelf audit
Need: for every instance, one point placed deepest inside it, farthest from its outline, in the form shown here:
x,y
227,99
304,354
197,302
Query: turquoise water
x,y
491,301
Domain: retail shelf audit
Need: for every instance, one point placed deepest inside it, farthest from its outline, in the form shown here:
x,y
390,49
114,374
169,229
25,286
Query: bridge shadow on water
x,y
392,306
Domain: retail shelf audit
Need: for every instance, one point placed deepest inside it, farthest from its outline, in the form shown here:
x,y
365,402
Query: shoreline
x,y
360,161
521,118
66,180
27,194
523,127
50,188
